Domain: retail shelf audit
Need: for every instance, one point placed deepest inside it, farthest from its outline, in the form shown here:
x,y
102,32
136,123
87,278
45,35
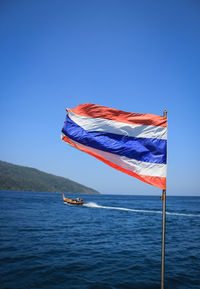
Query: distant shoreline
x,y
70,193
125,195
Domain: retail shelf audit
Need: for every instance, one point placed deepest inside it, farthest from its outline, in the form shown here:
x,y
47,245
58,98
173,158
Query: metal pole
x,y
163,240
163,231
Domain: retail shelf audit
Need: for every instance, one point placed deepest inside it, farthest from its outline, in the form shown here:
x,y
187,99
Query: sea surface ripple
x,y
111,242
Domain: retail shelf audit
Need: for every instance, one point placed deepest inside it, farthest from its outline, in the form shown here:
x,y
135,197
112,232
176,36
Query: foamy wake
x,y
95,205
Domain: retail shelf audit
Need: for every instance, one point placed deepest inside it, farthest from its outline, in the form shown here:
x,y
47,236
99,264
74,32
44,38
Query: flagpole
x,y
163,198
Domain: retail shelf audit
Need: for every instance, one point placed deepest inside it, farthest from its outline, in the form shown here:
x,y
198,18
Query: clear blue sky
x,y
138,56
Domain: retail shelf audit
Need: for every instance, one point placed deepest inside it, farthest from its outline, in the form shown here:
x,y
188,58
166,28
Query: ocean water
x,y
110,242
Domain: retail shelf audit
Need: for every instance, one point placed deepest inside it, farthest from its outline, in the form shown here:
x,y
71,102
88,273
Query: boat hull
x,y
73,201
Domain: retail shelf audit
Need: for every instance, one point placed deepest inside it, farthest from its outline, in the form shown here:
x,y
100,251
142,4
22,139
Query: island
x,y
20,178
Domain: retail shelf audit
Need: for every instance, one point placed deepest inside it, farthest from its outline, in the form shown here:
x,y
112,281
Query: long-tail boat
x,y
76,201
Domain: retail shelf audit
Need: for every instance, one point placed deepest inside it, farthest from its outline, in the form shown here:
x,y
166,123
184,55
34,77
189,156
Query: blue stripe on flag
x,y
141,149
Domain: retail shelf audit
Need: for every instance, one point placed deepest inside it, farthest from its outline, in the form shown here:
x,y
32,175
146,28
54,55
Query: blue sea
x,y
110,242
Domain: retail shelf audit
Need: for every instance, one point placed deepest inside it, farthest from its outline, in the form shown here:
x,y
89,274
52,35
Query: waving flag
x,y
133,143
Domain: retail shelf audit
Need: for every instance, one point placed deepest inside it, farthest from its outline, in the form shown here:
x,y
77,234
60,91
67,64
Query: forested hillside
x,y
19,178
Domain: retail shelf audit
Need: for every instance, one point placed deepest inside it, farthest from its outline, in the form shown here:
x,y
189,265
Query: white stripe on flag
x,y
110,126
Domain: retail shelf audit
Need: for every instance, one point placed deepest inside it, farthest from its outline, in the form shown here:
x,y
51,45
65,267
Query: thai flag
x,y
133,143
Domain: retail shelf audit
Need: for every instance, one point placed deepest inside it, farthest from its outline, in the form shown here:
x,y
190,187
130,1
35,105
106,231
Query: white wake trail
x,y
95,205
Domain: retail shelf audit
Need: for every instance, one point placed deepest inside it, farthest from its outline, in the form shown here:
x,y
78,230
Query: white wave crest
x,y
95,205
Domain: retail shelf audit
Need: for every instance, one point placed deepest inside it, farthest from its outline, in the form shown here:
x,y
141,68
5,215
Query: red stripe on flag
x,y
97,111
159,182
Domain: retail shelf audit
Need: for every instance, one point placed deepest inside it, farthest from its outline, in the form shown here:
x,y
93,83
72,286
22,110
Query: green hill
x,y
19,178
